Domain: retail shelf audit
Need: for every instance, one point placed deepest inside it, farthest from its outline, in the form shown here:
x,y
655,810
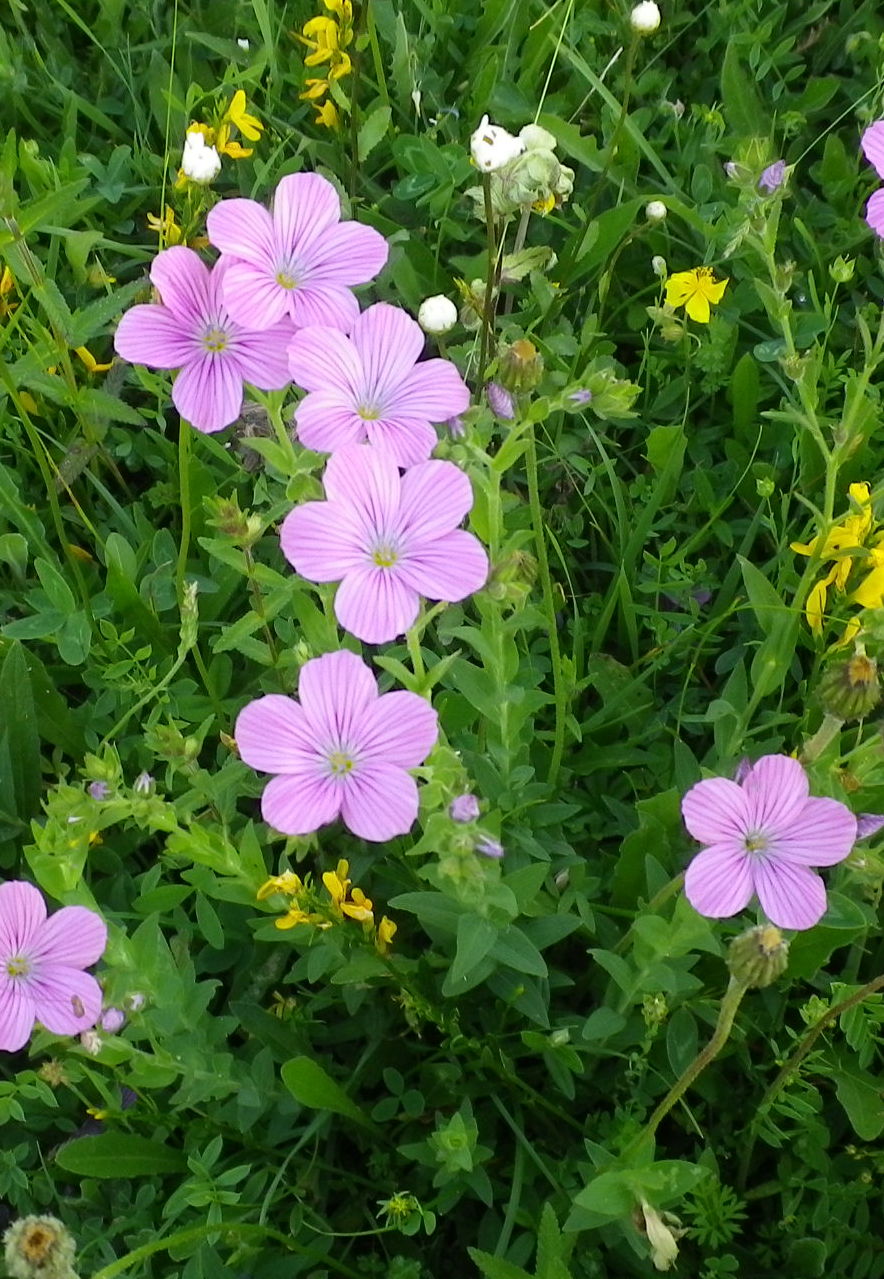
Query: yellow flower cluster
x,y
344,902
220,135
843,547
327,39
171,233
696,290
7,285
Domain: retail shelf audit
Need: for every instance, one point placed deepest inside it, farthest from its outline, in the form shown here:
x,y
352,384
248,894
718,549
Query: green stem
x,y
488,304
559,691
826,733
197,1233
376,53
727,1012
184,442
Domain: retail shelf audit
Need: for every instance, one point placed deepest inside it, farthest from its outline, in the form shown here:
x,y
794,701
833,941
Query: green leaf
x,y
313,1086
372,131
496,1267
18,718
739,99
118,1155
860,1095
475,938
513,949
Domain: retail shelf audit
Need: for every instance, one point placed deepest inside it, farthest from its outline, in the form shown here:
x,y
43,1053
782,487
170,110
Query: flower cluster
x,y
343,902
327,39
204,144
843,546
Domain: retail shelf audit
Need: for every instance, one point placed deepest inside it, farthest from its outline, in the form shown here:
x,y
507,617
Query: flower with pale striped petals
x,y
299,261
342,750
388,539
872,143
762,835
370,386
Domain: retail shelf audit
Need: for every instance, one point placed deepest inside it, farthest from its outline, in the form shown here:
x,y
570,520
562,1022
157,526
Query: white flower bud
x,y
655,210
658,266
200,163
437,315
243,43
492,147
534,138
645,18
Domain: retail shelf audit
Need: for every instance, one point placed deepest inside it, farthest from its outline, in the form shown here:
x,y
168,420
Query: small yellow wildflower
x,y
327,114
249,126
166,227
92,365
850,534
358,907
294,916
288,882
320,35
7,285
386,932
336,882
327,38
695,290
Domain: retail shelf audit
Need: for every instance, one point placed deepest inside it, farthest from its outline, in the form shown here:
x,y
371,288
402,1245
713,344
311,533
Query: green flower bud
x,y
759,956
841,270
849,690
521,366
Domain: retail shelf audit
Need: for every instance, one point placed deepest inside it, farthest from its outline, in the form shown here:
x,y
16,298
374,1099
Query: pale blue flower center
x,y
18,966
215,338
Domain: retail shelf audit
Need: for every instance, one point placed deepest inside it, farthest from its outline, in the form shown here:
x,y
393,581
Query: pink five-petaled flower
x,y
41,963
298,261
191,330
763,834
344,751
872,143
387,538
370,386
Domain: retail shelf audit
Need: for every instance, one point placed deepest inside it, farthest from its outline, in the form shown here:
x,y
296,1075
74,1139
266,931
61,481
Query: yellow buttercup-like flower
x,y
696,291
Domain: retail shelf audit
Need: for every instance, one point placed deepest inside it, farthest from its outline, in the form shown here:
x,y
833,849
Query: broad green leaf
x,y
311,1085
372,131
18,718
117,1156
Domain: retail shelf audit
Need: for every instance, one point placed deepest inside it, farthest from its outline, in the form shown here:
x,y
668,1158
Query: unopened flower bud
x,y
143,784
645,18
456,428
488,847
112,1020
655,210
535,138
521,366
135,1001
39,1248
91,1041
849,690
560,1037
659,267
464,808
758,956
500,401
437,315
200,163
841,270
492,147
772,177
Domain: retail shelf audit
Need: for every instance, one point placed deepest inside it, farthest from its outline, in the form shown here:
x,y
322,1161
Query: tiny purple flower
x,y
373,386
342,750
99,790
135,1001
762,837
300,261
581,396
872,143
143,784
490,848
388,539
732,169
112,1020
773,177
464,808
500,401
192,330
41,966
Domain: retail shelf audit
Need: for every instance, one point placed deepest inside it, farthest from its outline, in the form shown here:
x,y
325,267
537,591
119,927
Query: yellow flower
x,y
356,905
90,361
343,8
314,89
295,916
695,290
870,592
386,933
359,907
288,882
546,205
337,883
7,285
249,126
166,227
327,114
320,35
850,534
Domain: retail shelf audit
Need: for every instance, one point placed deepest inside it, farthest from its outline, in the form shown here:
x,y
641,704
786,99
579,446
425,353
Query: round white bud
x,y
437,315
645,18
536,139
655,210
492,147
200,163
658,266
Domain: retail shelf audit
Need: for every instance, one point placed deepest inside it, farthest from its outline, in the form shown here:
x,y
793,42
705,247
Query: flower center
x,y
341,763
755,842
285,278
384,556
369,412
215,338
18,966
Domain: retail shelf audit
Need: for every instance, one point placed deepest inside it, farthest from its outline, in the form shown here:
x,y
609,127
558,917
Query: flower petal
x,y
388,342
776,790
449,568
300,805
182,279
347,254
208,392
336,690
375,604
252,296
868,824
22,915
433,390
821,834
872,143
408,440
60,993
435,498
74,937
272,735
320,543
380,801
791,896
875,212
718,882
244,229
330,305
366,480
16,1016
151,334
326,421
697,307
305,207
715,810
401,728
321,358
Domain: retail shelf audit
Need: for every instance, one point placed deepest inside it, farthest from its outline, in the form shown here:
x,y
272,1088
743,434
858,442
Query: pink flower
x,y
872,143
370,386
299,261
388,539
763,834
342,752
192,331
41,962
